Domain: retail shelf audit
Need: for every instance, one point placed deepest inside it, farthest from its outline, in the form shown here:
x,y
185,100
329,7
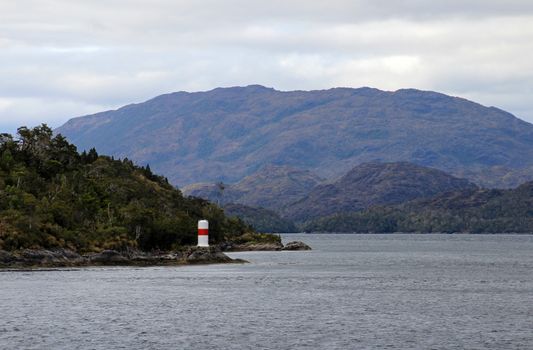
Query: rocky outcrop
x,y
296,245
108,257
41,257
253,246
207,255
265,246
6,257
66,258
36,258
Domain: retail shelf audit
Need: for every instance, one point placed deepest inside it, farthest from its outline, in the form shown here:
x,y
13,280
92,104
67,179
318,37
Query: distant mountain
x,y
262,220
271,187
374,184
228,133
468,211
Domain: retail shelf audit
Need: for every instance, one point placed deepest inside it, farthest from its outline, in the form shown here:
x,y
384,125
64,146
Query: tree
x,y
220,187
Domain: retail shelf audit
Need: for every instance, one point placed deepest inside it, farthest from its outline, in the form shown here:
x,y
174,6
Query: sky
x,y
65,58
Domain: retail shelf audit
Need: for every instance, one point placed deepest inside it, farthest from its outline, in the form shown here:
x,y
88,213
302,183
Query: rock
x,y
37,256
68,254
251,246
6,257
56,257
226,246
108,257
296,245
30,258
205,255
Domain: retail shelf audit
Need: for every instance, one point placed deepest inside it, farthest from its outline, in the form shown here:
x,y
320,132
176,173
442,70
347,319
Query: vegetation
x,y
261,219
473,211
52,196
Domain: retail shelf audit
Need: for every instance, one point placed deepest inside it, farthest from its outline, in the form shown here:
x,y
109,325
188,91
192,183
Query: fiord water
x,y
350,292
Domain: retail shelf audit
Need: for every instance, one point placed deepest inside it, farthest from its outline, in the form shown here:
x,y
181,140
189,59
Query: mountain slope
x,y
469,211
228,133
262,220
373,184
271,187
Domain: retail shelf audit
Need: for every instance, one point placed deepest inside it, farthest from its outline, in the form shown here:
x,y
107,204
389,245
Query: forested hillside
x,y
53,196
472,211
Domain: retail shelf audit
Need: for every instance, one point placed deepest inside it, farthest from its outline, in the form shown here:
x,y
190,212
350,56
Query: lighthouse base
x,y
203,241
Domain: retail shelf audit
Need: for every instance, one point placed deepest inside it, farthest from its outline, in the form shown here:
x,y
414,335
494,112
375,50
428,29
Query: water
x,y
350,292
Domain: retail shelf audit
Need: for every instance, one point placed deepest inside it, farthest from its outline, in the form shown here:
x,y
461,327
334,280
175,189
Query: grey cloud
x,y
60,58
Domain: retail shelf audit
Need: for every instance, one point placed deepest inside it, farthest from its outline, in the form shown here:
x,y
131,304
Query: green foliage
x,y
52,196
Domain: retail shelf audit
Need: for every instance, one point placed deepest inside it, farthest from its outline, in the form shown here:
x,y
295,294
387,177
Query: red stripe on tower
x,y
203,233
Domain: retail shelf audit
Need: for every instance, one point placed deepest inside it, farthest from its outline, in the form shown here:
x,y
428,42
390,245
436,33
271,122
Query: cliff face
x,y
229,133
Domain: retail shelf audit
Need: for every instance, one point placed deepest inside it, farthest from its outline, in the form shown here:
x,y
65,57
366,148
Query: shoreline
x,y
33,259
29,259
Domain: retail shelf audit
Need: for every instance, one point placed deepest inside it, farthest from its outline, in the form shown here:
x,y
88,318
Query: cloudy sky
x,y
65,58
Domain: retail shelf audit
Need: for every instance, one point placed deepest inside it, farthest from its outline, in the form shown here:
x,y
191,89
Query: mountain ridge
x,y
272,187
470,211
374,184
225,134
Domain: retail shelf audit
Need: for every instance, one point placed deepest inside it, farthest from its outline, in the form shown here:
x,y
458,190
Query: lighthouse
x,y
203,233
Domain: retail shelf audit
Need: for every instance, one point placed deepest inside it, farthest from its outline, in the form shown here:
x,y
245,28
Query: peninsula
x,y
59,207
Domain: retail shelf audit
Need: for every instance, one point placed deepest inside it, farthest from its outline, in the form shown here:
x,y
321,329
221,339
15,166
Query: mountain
x,y
227,134
271,187
468,211
262,220
374,184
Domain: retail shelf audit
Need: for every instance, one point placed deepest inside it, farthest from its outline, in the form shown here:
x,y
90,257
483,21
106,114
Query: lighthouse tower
x,y
203,233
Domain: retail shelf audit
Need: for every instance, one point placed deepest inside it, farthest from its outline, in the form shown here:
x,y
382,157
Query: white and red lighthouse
x,y
203,233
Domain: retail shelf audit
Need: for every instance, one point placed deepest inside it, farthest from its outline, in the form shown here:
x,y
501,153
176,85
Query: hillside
x,y
470,211
262,220
374,184
272,187
53,197
227,134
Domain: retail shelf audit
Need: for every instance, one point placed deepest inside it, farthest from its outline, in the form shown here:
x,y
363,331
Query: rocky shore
x,y
29,258
39,258
296,245
262,246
